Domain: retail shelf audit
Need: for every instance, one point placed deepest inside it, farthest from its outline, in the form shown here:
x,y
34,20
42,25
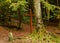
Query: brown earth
x,y
4,31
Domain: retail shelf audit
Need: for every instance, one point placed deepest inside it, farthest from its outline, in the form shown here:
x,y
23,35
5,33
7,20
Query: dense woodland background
x,y
38,14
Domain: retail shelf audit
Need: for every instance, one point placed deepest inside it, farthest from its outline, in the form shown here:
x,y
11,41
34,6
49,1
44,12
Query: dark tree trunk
x,y
20,19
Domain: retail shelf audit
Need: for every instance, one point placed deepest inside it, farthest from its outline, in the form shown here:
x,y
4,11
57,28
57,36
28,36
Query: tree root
x,y
42,36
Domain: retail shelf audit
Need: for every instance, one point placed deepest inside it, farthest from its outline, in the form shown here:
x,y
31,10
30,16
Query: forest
x,y
29,21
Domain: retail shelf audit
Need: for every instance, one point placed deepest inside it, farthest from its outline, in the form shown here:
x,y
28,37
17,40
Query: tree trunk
x,y
40,35
38,15
20,19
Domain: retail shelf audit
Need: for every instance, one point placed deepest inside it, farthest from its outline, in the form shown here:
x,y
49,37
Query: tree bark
x,y
20,19
38,14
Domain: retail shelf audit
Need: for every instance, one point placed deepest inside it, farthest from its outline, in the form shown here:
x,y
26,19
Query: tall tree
x,y
40,35
38,14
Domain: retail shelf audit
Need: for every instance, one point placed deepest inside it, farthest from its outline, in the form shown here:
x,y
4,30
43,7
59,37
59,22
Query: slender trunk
x,y
38,15
20,20
58,15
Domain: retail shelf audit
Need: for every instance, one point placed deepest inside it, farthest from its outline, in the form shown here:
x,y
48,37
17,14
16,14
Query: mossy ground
x,y
43,36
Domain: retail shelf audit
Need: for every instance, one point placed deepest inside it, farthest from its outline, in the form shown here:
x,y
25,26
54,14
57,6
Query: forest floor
x,y
4,31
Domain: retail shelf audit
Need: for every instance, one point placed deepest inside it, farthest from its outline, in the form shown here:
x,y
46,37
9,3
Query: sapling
x,y
11,38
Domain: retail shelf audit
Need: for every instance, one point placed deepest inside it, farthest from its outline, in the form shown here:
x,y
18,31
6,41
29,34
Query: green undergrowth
x,y
43,36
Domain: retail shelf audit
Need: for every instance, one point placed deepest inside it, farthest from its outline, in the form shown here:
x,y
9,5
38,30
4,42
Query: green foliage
x,y
8,1
50,8
11,9
18,5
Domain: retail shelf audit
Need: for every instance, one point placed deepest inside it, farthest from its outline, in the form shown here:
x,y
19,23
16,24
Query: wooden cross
x,y
30,15
30,21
